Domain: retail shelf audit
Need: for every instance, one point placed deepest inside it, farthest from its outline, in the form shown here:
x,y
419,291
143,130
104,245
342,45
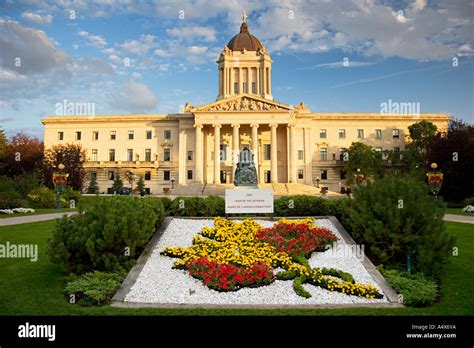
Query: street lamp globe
x,y
61,166
434,165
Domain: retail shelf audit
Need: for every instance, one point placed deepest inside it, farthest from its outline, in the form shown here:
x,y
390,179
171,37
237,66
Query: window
x,y
130,135
112,155
254,88
147,155
148,134
342,133
378,134
360,133
113,135
167,155
323,154
190,155
396,133
236,87
111,175
147,175
324,174
343,154
129,155
93,175
94,155
95,135
342,174
166,175
267,151
78,135
396,149
167,134
223,155
60,135
322,133
300,154
190,175
300,173
245,87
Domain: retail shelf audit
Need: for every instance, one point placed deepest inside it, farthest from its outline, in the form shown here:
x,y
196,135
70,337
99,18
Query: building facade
x,y
200,145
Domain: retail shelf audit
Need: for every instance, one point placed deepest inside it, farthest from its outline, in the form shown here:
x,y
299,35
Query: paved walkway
x,y
46,217
459,218
32,218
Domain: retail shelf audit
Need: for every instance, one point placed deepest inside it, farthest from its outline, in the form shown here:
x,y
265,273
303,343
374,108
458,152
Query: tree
x,y
93,186
421,135
118,184
3,148
394,216
73,156
363,157
141,186
454,154
23,154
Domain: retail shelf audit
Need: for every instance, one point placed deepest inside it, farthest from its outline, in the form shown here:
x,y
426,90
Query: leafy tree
x,y
118,184
93,186
3,149
454,154
73,157
141,186
362,157
24,154
394,216
421,135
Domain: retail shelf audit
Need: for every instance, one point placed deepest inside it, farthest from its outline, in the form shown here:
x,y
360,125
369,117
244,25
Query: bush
x,y
417,290
94,289
394,216
468,201
43,197
301,206
187,206
108,236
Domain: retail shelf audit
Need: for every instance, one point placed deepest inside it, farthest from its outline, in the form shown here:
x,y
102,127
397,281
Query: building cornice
x,y
113,118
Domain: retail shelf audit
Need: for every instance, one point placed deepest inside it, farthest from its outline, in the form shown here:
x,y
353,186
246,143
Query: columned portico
x,y
255,146
235,147
198,151
273,158
182,157
217,150
292,153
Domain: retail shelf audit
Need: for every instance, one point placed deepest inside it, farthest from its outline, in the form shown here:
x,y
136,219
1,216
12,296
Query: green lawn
x,y
458,211
38,212
35,288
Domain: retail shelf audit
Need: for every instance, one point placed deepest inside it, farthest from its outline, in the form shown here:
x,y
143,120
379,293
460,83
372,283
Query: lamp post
x,y
172,183
60,181
435,180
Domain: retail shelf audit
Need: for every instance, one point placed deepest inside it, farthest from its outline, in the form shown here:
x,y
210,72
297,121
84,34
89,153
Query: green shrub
x,y
298,287
188,206
93,289
108,236
301,205
417,291
214,206
43,197
69,194
394,216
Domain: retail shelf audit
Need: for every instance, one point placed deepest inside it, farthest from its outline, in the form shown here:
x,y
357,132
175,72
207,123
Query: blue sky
x,y
405,51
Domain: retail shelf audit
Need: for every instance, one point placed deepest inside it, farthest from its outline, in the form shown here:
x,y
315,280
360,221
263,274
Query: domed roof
x,y
244,40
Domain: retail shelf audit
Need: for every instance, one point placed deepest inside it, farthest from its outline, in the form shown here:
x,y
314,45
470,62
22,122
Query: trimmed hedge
x,y
108,235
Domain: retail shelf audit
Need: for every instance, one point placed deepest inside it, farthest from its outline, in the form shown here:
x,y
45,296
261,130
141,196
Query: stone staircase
x,y
280,188
302,189
216,190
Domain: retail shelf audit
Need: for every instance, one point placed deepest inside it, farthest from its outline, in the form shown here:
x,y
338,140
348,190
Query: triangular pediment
x,y
244,102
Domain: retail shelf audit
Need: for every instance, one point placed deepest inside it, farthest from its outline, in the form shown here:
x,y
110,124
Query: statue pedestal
x,y
246,187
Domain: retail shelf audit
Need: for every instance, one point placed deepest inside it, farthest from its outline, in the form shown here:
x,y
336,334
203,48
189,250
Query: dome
x,y
244,40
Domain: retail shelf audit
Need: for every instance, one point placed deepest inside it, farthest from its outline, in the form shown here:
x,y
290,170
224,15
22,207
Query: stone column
x,y
217,151
198,154
235,147
274,159
292,153
182,158
258,80
308,154
241,81
249,80
231,81
255,147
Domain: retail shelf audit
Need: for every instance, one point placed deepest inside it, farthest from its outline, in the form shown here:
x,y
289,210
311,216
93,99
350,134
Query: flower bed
x,y
17,211
233,255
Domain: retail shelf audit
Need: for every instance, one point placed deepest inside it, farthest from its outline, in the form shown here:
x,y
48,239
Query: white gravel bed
x,y
159,283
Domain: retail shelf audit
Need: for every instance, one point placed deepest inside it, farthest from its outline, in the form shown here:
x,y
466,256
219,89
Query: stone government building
x,y
294,148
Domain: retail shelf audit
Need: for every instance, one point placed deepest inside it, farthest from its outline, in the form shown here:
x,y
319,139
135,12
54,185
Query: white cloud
x,y
161,53
163,67
140,46
94,40
37,18
193,34
134,97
